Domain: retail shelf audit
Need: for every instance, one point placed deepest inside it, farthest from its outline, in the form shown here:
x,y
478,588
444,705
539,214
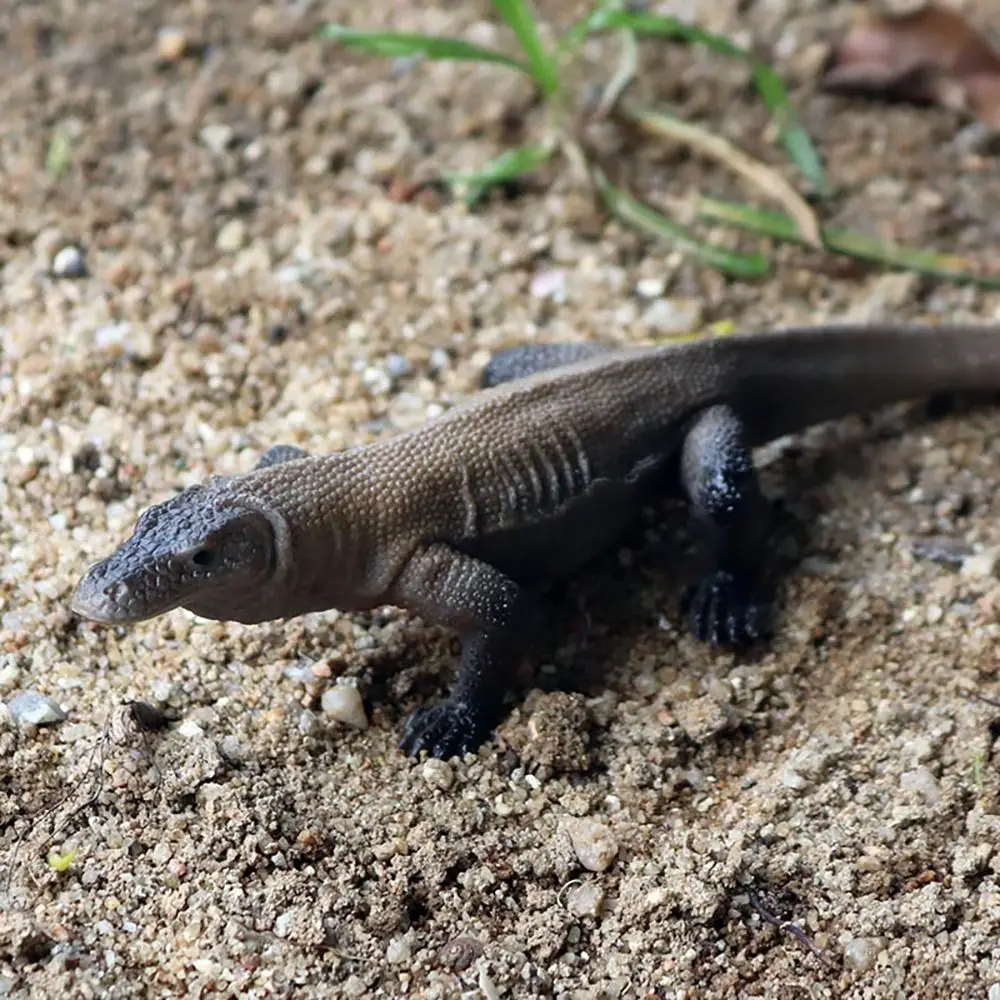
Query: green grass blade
x,y
395,45
59,156
646,219
542,64
769,85
950,267
506,167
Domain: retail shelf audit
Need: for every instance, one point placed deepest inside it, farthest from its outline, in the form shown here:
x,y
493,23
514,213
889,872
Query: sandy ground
x,y
818,820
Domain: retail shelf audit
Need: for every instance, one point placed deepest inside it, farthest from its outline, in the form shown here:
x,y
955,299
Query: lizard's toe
x,y
725,612
447,729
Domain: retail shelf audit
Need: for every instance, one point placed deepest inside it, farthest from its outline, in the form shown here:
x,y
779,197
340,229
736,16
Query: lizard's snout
x,y
99,599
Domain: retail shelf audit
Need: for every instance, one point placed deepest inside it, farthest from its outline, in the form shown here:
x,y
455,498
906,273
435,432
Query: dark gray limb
x,y
520,362
280,453
495,620
727,607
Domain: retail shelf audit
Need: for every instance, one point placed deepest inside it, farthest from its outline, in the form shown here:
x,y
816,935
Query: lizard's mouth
x,y
113,603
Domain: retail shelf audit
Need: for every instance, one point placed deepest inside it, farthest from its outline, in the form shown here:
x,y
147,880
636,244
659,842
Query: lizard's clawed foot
x,y
724,611
447,729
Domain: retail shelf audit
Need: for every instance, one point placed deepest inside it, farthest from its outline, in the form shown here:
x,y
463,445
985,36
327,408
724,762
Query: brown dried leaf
x,y
932,54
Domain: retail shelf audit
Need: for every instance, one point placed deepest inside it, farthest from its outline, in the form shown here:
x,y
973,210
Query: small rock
x,y
922,781
70,262
438,774
994,992
439,361
285,82
218,137
702,718
650,288
232,236
793,780
673,316
171,44
376,381
283,923
860,953
32,708
981,565
398,952
398,366
593,843
585,900
343,704
549,285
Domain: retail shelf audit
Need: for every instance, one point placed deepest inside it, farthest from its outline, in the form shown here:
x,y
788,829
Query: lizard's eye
x,y
205,558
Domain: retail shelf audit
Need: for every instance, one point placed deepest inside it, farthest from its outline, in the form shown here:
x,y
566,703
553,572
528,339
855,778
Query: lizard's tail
x,y
811,374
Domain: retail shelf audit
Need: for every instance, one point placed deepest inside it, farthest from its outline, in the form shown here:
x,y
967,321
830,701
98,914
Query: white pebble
x,y
673,316
549,285
860,953
376,381
438,774
585,900
217,137
69,263
994,992
232,236
650,288
343,704
35,709
593,843
980,566
398,951
171,44
922,781
793,780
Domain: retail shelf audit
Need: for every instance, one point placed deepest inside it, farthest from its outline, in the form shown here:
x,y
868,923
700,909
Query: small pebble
x,y
994,992
439,361
981,565
398,366
32,708
232,236
70,262
398,951
218,137
860,953
793,780
549,285
922,781
593,843
650,288
377,381
585,900
171,44
438,774
673,316
343,704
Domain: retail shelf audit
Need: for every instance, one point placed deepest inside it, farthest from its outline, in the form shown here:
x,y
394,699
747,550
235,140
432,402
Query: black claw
x,y
448,729
724,612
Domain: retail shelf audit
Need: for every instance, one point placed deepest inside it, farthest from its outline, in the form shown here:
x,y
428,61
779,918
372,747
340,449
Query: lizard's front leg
x,y
495,620
728,607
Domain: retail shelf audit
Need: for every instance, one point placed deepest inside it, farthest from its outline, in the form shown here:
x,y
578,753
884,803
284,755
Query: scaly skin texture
x,y
459,519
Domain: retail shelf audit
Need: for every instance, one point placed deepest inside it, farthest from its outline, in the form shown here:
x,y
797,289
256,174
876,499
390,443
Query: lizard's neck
x,y
325,538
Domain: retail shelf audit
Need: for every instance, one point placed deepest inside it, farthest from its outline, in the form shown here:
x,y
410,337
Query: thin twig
x,y
769,181
784,925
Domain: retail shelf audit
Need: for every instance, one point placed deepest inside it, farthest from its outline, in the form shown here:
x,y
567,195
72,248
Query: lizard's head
x,y
203,550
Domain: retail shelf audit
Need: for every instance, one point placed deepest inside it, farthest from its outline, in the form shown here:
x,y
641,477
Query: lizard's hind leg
x,y
729,606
